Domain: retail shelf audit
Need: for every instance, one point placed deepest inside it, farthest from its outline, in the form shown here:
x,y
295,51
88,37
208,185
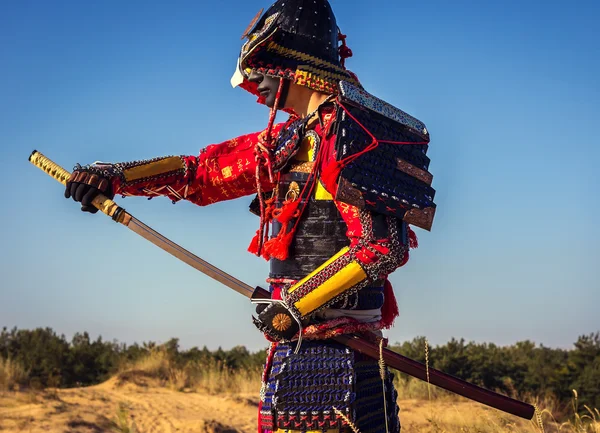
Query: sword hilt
x,y
101,202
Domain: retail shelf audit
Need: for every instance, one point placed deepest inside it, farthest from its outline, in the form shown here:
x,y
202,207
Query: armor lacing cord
x,y
262,155
273,112
345,418
382,374
335,168
331,172
264,378
278,247
311,181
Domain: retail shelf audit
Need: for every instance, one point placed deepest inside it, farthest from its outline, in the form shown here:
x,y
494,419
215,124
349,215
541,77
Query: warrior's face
x,y
267,87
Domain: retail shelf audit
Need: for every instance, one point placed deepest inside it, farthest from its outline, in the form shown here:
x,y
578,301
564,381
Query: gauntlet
x,y
85,184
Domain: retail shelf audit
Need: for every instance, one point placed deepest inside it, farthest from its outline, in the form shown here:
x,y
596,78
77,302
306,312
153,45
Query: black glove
x,y
85,184
276,321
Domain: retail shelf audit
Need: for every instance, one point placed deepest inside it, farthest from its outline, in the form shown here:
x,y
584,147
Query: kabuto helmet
x,y
296,40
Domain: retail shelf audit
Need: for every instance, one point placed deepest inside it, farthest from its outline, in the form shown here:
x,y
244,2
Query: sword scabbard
x,y
101,202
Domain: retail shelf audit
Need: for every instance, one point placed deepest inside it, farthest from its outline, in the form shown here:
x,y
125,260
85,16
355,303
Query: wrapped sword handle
x,y
101,202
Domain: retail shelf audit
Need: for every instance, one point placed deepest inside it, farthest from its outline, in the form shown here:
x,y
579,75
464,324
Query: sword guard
x,y
260,294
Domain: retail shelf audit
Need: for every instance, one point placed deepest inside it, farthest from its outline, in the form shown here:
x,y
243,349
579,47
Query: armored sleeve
x,y
220,172
378,246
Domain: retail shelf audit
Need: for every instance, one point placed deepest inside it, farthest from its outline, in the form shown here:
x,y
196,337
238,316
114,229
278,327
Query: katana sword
x,y
360,344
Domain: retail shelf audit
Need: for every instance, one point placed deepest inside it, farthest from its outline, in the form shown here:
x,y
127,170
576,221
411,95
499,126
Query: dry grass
x,y
448,413
414,389
424,408
442,414
156,364
589,422
209,377
122,423
214,378
12,374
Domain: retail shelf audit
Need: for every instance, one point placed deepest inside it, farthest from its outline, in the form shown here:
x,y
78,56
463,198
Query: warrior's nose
x,y
255,77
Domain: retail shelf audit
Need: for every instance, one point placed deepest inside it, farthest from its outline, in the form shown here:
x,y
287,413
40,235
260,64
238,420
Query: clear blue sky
x,y
509,91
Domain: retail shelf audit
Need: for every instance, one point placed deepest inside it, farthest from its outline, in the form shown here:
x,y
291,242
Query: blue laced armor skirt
x,y
323,387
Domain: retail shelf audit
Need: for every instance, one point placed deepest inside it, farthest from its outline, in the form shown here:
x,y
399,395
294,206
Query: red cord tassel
x,y
279,246
413,242
389,311
286,212
253,247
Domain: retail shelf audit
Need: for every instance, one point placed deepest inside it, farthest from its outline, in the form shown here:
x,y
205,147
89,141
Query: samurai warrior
x,y
335,190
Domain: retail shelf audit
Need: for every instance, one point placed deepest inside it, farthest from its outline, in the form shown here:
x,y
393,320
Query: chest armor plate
x,y
320,234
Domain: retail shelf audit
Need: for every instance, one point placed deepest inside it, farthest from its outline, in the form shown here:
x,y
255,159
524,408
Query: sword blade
x,y
190,258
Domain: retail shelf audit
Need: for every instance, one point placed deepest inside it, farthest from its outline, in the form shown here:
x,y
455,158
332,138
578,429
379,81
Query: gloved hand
x,y
276,321
85,184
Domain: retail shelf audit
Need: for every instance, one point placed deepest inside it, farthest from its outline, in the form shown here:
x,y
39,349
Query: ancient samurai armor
x,y
335,194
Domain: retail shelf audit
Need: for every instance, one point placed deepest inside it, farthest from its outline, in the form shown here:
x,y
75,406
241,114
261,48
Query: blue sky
x,y
508,90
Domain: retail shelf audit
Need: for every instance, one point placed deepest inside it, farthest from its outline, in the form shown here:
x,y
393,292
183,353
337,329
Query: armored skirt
x,y
324,387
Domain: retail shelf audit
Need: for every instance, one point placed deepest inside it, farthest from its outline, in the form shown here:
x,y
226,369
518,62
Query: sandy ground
x,y
156,409
151,408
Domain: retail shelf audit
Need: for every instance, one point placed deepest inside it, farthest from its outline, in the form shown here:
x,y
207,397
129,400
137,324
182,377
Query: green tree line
x,y
51,360
520,369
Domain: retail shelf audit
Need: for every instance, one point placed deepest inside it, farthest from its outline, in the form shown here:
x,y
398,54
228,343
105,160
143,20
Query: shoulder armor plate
x,y
364,99
392,178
